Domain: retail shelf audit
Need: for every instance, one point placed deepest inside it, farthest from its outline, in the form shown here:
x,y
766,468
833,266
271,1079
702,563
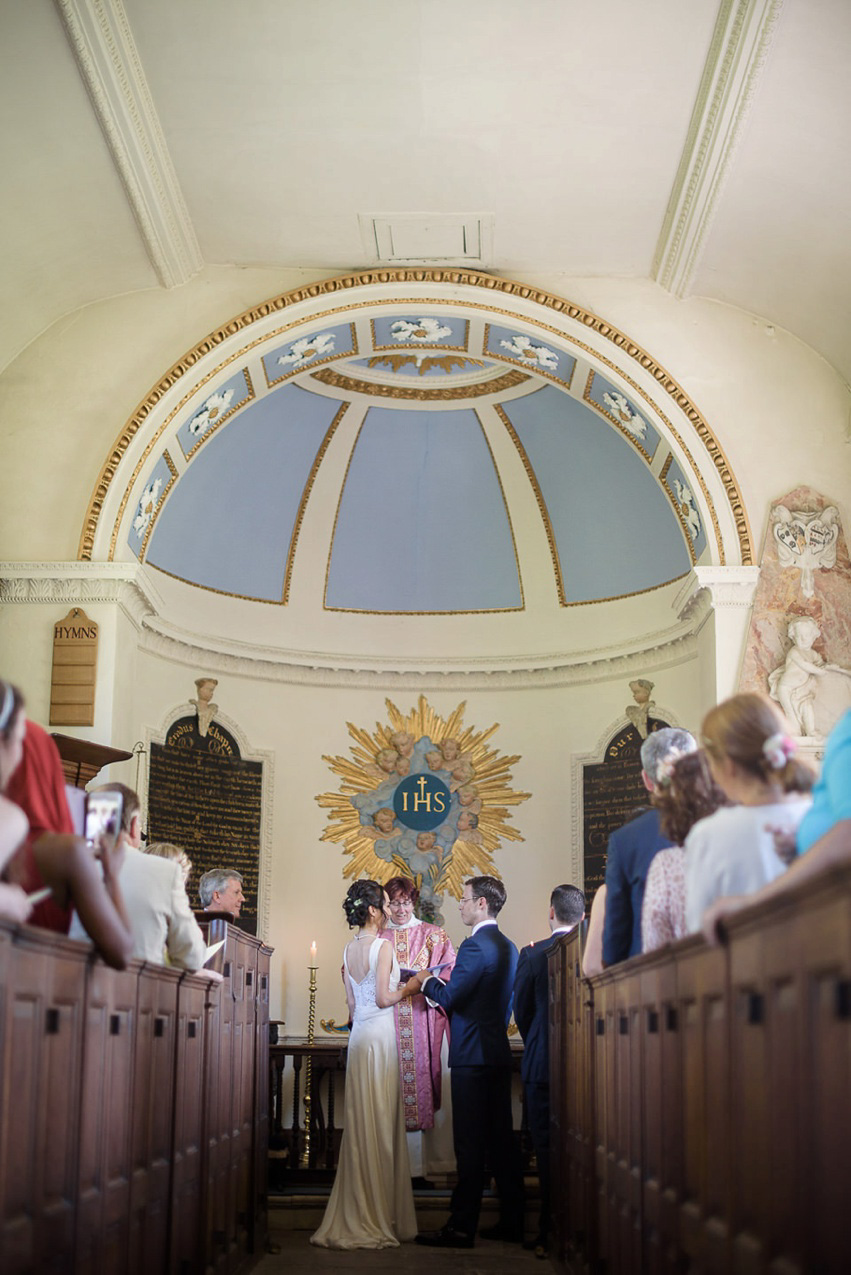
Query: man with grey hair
x,y
221,891
633,847
155,897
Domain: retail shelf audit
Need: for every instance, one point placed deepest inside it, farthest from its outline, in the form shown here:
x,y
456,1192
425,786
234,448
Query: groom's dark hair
x,y
489,889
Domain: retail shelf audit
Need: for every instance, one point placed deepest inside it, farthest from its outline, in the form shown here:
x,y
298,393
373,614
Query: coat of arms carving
x,y
806,541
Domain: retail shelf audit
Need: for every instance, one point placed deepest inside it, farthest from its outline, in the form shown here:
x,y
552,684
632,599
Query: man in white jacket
x,y
155,898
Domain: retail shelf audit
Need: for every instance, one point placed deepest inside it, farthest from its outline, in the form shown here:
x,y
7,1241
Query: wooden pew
x,y
719,1105
133,1110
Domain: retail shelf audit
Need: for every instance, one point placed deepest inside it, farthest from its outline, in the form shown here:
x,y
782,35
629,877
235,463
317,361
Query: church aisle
x,y
298,1257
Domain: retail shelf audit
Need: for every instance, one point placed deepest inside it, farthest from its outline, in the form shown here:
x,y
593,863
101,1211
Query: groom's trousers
x,y
483,1136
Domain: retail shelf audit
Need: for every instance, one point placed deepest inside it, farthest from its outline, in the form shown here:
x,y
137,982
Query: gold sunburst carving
x,y
490,776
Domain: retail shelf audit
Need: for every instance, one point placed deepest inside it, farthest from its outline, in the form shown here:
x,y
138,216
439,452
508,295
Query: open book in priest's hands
x,y
405,974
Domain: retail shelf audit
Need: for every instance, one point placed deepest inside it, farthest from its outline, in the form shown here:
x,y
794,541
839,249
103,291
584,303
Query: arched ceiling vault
x,y
416,444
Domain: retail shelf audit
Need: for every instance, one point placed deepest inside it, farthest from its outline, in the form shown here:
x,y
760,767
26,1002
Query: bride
x,y
371,1203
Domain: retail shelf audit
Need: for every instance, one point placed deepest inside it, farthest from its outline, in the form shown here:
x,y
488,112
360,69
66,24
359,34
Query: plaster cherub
x,y
793,684
638,712
204,688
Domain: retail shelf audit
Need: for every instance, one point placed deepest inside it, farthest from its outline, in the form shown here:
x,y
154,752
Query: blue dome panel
x,y
422,524
614,528
229,521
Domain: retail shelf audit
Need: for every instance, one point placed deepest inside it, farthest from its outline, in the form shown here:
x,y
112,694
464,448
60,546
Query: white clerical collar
x,y
480,925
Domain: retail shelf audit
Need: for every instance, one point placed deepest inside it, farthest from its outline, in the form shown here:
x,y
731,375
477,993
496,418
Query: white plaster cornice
x,y
716,586
64,581
130,587
328,671
109,63
737,54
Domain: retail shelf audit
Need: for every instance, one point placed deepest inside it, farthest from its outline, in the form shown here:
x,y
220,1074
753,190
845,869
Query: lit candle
x,y
313,954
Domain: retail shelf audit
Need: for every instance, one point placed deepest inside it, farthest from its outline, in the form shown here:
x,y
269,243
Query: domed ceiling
x,y
454,426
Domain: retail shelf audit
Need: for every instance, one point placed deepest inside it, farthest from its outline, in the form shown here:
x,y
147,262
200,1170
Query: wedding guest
x,y
823,835
154,895
687,793
221,891
632,849
531,1014
14,825
752,759
592,955
80,876
166,850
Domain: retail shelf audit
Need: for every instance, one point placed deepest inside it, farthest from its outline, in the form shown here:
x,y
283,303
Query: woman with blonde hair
x,y
752,758
167,850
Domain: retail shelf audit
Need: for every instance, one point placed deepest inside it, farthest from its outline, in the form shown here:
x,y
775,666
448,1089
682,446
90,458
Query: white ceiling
x,y
701,143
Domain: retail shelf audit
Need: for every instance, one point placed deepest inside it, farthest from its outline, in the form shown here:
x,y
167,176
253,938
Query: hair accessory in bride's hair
x,y
777,750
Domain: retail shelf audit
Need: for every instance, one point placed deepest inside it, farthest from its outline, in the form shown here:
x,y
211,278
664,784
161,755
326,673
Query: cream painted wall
x,y
298,724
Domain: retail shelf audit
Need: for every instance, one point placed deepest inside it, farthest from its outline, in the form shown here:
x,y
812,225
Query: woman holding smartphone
x,y
50,855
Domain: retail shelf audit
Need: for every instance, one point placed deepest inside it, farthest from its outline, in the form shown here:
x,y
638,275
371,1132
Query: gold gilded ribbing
x,y
522,606
542,504
328,376
172,469
210,588
663,478
308,487
456,277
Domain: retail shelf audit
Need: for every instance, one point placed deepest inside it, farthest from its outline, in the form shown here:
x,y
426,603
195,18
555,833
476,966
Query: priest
x,y
421,1034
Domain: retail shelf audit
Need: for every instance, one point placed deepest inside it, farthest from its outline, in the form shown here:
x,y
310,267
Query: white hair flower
x,y
777,750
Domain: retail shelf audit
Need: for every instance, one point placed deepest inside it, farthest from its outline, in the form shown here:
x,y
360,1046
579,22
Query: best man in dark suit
x,y
477,999
531,1014
634,846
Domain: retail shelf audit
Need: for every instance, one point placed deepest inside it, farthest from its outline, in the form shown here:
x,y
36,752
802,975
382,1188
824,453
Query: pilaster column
x,y
718,600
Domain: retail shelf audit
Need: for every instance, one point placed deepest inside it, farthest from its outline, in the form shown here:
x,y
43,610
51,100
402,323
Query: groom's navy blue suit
x,y
477,999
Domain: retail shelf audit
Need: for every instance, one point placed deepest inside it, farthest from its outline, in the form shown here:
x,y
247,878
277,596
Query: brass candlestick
x,y
308,1071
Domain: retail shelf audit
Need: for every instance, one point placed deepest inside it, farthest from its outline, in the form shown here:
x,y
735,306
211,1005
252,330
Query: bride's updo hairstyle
x,y
362,896
754,734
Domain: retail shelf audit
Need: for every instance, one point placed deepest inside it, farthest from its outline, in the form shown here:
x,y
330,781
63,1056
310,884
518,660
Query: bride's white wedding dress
x,y
372,1203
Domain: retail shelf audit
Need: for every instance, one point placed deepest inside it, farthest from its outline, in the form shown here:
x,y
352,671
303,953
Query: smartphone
x,y
103,817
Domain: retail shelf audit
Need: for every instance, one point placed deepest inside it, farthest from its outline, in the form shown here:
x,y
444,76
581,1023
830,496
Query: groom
x,y
477,999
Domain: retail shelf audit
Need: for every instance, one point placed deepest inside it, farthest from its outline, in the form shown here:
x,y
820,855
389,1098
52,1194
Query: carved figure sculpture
x,y
806,541
204,687
793,683
638,712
